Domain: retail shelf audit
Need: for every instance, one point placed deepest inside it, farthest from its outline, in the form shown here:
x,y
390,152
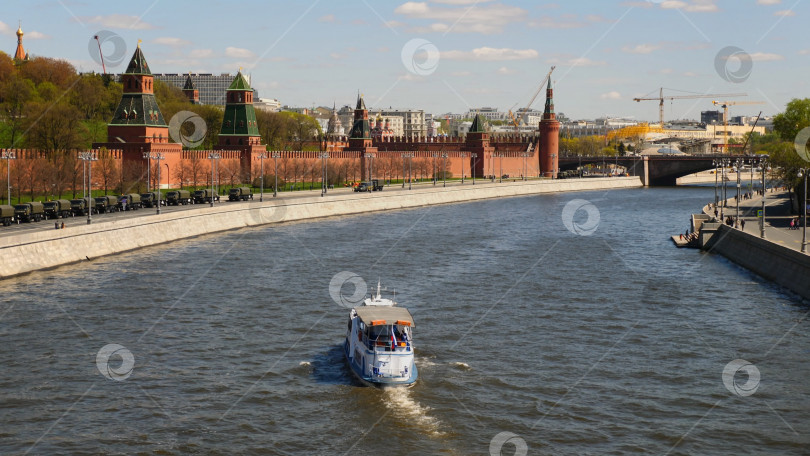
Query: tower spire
x,y
20,55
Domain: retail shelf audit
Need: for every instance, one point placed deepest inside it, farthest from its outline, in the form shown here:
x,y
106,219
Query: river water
x,y
530,338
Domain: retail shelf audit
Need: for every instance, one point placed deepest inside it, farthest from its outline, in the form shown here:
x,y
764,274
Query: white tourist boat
x,y
379,344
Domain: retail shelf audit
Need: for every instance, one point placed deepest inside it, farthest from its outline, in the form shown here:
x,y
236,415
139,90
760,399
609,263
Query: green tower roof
x,y
138,65
239,83
477,125
189,85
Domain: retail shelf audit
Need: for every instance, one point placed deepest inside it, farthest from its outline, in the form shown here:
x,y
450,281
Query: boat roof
x,y
373,315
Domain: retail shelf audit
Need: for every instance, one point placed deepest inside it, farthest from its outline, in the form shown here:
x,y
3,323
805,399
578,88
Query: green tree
x,y
795,118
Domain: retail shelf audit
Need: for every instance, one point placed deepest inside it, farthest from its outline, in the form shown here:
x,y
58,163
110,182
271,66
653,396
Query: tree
x,y
622,151
795,118
15,94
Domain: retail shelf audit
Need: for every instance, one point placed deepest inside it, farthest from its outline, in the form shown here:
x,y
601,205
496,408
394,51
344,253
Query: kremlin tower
x,y
549,137
360,136
190,91
239,131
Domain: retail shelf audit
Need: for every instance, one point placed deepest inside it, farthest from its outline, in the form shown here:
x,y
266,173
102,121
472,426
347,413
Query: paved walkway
x,y
777,218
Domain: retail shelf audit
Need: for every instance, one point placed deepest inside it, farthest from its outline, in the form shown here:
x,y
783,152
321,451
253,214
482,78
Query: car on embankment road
x,y
149,199
82,206
6,214
240,193
57,208
29,212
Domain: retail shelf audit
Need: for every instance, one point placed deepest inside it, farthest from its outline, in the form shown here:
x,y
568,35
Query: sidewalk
x,y
777,218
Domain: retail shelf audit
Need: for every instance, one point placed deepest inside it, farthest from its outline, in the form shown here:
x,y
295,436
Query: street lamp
x,y
324,178
738,165
370,156
213,156
435,155
409,156
803,173
444,170
525,156
463,156
275,156
89,158
158,157
262,156
474,156
715,163
8,155
763,165
147,156
555,168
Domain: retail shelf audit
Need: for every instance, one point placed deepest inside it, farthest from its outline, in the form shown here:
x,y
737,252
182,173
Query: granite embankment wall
x,y
777,263
32,251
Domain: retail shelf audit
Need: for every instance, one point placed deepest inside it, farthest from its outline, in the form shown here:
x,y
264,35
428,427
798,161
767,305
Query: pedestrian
x,y
63,225
742,225
791,224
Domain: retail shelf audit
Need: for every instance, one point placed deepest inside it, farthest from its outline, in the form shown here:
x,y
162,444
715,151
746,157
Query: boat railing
x,y
383,345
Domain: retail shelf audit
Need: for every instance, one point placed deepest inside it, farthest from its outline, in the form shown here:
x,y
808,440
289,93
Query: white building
x,y
267,104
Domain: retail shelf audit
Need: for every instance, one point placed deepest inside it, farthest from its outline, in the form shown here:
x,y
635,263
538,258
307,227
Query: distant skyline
x,y
449,55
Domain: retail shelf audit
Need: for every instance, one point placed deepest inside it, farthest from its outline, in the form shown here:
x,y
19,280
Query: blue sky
x,y
451,55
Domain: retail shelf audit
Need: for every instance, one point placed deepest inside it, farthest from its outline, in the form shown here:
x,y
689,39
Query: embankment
x,y
32,251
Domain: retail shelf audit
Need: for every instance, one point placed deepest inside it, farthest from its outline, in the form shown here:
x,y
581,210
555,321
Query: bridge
x,y
657,170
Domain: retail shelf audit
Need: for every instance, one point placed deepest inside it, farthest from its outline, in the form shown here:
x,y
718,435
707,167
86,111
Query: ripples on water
x,y
607,344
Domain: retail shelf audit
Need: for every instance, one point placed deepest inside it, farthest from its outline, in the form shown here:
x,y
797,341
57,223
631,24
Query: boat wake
x,y
405,408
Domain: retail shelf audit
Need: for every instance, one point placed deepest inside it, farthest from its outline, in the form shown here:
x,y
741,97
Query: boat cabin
x,y
385,329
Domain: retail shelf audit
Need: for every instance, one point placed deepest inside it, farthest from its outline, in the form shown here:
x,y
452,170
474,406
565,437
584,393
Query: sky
x,y
449,55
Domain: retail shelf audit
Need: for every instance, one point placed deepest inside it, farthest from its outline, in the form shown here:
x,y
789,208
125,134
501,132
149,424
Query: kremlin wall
x,y
138,130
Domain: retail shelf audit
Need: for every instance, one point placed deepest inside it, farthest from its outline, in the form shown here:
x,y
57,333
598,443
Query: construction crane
x,y
725,105
525,115
660,98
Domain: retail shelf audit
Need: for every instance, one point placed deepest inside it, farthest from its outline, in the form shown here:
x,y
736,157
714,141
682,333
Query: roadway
x,y
290,196
777,218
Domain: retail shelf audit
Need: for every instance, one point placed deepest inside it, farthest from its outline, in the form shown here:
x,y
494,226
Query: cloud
x,y
239,53
461,2
580,62
804,52
34,35
491,54
116,21
768,2
641,48
461,74
171,41
327,18
786,13
696,6
5,29
766,57
201,53
613,95
394,24
461,18
506,71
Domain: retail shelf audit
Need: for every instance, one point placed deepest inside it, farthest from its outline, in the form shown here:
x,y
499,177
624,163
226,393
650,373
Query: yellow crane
x,y
660,98
515,120
725,105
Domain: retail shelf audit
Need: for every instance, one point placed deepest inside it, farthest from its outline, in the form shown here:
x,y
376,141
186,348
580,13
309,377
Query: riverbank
x,y
777,257
31,251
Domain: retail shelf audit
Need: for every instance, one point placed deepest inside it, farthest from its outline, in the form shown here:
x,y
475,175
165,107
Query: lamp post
x,y
435,155
370,156
147,156
763,165
89,158
168,178
262,156
474,157
275,156
525,156
463,155
8,155
158,157
213,156
715,163
803,173
409,156
324,177
738,165
444,170
554,168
